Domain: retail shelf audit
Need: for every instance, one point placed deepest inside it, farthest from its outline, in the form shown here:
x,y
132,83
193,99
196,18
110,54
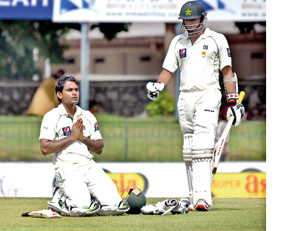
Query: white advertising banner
x,y
166,180
153,10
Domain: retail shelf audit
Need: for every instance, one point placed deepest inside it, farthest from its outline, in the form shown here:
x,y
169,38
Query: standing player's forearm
x,y
230,87
230,81
164,76
93,145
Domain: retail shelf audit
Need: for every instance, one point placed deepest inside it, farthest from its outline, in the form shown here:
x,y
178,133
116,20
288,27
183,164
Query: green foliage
x,y
164,105
110,30
18,40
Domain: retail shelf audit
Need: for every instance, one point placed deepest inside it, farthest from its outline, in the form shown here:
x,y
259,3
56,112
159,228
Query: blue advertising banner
x,y
26,9
154,10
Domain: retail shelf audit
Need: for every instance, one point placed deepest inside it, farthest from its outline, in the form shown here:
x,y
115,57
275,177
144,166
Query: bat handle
x,y
241,97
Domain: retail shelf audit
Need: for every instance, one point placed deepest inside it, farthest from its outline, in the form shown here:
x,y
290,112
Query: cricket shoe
x,y
57,203
81,212
58,207
122,208
202,205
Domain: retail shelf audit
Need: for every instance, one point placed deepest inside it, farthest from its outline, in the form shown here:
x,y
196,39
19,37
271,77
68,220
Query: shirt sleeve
x,y
95,132
48,125
171,60
225,54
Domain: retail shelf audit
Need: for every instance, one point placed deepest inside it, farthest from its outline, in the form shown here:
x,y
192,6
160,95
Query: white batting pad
x,y
202,180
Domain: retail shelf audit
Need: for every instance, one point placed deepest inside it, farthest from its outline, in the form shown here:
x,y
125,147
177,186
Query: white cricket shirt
x,y
57,124
200,62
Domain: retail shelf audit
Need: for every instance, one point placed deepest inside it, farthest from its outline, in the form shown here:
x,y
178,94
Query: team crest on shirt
x,y
228,52
66,131
182,53
205,47
96,127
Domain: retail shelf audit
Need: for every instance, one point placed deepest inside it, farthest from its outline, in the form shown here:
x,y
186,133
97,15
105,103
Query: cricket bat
x,y
45,213
222,140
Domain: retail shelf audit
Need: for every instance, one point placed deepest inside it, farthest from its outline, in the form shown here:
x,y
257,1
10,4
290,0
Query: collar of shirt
x,y
62,111
207,33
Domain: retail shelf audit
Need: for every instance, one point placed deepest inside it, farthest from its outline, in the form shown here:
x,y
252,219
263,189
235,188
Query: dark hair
x,y
61,82
59,73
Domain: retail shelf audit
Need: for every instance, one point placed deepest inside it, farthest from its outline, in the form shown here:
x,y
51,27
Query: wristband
x,y
232,99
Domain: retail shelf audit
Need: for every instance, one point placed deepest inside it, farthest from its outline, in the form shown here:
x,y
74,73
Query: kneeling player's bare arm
x,y
51,146
93,145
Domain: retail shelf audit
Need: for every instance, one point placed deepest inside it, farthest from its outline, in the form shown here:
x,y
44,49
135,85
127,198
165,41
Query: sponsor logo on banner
x,y
239,185
71,5
216,5
126,181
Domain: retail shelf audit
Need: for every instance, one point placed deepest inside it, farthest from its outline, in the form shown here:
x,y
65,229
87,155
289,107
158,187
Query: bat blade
x,y
222,140
220,145
45,213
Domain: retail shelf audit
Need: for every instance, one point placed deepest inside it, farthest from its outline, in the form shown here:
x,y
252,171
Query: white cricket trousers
x,y
198,112
198,118
81,181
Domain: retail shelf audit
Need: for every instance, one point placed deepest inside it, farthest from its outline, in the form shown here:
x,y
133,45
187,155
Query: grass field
x,y
227,215
129,139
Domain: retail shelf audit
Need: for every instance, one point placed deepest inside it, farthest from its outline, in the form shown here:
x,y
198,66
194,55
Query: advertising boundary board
x,y
80,11
22,179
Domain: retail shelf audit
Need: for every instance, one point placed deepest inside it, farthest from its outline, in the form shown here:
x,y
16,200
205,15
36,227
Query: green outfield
x,y
227,214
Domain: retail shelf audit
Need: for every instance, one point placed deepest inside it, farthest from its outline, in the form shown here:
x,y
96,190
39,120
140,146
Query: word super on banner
x,y
239,185
154,10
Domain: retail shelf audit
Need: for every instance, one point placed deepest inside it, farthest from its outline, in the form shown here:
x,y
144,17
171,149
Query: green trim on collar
x,y
68,116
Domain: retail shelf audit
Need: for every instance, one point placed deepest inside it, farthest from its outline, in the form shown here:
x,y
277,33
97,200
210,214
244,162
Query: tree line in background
x,y
18,39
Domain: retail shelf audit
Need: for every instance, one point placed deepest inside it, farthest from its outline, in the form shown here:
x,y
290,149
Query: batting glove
x,y
182,207
153,89
238,111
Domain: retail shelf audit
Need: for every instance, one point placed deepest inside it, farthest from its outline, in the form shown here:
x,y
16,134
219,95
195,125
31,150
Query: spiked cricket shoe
x,y
122,208
202,205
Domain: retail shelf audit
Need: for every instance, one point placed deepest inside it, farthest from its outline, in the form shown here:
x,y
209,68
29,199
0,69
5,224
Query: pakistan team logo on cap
x,y
188,12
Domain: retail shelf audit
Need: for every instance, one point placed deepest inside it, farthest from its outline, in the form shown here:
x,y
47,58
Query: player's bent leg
x,y
105,191
61,204
57,204
102,187
202,157
76,197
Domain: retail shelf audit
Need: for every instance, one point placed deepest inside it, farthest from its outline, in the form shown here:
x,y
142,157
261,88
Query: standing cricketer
x,y
200,54
70,133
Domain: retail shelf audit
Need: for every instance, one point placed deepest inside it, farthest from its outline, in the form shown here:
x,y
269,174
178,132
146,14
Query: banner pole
x,y
84,67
